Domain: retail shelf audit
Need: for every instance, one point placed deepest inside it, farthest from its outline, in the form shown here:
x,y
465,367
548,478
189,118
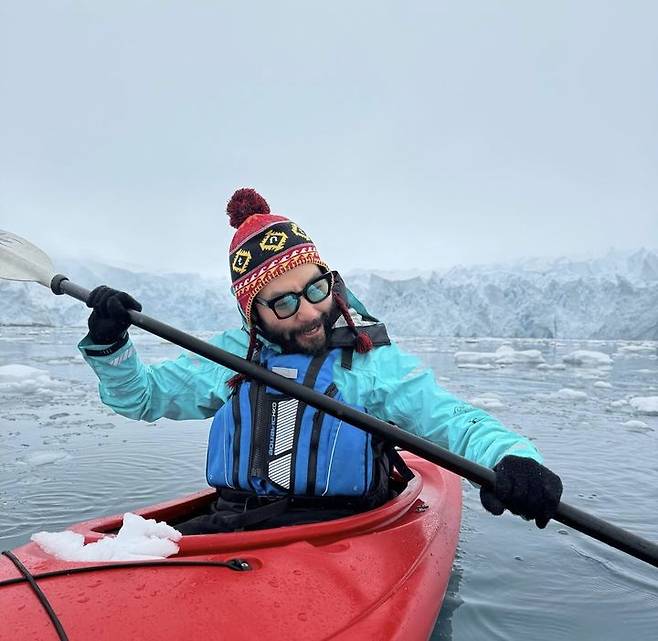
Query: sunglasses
x,y
286,305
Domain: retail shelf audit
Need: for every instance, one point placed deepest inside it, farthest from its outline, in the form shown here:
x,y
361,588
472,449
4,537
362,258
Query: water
x,y
64,458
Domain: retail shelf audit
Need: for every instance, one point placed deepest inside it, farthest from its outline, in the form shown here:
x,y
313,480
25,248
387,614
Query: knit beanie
x,y
263,247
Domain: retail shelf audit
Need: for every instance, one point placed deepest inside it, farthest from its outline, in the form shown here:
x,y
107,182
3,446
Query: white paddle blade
x,y
21,260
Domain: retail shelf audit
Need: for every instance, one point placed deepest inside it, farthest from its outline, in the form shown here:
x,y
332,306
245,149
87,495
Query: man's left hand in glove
x,y
523,487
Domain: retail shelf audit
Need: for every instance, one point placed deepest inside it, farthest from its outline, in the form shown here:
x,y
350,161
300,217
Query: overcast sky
x,y
398,134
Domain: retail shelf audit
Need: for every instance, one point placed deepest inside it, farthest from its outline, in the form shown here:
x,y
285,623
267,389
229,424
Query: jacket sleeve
x,y
392,386
189,387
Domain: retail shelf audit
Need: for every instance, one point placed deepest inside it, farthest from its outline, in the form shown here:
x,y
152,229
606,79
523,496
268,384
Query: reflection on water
x,y
64,458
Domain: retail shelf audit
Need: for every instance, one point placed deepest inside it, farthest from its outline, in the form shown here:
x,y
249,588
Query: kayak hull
x,y
379,575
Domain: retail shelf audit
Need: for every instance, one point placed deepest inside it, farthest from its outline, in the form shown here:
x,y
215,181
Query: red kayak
x,y
377,575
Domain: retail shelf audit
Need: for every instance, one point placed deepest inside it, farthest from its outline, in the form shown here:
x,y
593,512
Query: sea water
x,y
64,457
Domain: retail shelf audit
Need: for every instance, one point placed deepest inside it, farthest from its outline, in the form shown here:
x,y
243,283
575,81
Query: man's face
x,y
307,330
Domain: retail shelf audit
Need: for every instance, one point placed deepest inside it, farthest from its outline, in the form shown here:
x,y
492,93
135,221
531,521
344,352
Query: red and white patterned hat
x,y
263,247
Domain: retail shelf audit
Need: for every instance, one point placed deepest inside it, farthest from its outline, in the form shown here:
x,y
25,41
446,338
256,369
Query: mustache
x,y
310,326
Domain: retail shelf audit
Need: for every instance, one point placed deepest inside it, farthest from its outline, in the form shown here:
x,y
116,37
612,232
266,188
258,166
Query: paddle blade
x,y
21,260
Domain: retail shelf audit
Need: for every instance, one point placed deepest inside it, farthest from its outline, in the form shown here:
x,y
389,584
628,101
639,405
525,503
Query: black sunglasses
x,y
286,305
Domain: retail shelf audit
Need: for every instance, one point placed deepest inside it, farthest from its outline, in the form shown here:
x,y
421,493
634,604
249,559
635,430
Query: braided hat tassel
x,y
363,342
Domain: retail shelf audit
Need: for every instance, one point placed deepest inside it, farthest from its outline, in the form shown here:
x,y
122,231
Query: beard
x,y
295,342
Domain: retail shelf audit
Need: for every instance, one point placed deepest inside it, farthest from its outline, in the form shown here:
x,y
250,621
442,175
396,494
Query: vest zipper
x,y
258,455
318,417
237,423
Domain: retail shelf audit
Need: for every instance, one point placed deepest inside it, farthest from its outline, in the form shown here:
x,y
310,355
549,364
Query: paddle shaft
x,y
573,517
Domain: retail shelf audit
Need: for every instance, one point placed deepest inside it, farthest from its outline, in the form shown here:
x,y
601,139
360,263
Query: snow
x,y
586,357
138,539
645,405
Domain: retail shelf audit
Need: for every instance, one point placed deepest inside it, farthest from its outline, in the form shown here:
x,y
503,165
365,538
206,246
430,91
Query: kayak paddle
x,y
22,261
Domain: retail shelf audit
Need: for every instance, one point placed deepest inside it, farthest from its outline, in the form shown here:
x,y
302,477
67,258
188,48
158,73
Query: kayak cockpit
x,y
404,495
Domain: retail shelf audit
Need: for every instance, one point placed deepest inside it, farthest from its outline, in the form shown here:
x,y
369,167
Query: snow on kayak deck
x,y
138,539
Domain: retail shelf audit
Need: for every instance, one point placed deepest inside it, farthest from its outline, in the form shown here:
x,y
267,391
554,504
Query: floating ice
x,y
21,379
474,358
588,374
487,402
603,384
556,366
483,366
642,348
16,372
620,403
645,405
508,356
635,424
38,459
137,539
587,357
570,394
504,355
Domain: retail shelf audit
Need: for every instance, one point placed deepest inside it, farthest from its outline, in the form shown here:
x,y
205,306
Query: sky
x,y
399,135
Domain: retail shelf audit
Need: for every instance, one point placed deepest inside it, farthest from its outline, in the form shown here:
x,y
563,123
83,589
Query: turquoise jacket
x,y
388,382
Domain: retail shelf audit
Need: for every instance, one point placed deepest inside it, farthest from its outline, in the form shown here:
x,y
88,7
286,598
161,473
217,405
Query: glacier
x,y
614,296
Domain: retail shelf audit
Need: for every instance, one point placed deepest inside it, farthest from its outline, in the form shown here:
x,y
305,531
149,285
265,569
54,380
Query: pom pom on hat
x,y
245,203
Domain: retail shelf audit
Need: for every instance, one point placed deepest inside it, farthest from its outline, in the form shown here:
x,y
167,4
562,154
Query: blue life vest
x,y
264,442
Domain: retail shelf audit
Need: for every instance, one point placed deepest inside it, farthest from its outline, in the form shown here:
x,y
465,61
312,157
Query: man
x,y
273,459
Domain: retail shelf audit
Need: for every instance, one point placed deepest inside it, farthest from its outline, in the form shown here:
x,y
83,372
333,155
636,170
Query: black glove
x,y
524,487
110,319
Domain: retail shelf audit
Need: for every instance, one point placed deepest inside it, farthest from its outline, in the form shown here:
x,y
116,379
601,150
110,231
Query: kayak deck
x,y
380,574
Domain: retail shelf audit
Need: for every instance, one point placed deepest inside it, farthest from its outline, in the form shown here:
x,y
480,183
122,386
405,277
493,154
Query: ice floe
x,y
603,384
586,357
483,366
37,459
22,379
137,539
645,405
635,424
564,394
569,394
509,356
504,355
487,401
642,348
